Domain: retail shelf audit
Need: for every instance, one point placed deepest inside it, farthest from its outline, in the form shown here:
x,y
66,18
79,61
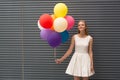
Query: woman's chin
x,y
81,30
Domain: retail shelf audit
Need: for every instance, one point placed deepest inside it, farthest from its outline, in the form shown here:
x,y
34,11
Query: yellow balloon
x,y
60,10
60,24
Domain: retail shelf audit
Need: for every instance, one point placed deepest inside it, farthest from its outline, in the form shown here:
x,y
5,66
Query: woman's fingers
x,y
58,61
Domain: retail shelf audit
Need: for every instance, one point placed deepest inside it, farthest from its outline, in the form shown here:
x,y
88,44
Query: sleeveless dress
x,y
79,64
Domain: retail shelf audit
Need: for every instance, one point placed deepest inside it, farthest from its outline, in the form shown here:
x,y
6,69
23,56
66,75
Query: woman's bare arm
x,y
69,51
91,50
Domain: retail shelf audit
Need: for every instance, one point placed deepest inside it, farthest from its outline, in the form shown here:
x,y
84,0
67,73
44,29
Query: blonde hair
x,y
86,29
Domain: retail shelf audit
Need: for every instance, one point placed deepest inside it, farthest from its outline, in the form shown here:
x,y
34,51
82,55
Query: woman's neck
x,y
82,33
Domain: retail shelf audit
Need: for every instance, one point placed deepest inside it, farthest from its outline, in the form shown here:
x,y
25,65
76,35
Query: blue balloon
x,y
64,36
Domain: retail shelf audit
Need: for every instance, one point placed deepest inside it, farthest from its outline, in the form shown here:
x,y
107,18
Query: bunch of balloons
x,y
54,28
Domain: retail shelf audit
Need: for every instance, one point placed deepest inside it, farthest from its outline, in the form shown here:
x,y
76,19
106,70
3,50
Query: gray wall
x,y
22,51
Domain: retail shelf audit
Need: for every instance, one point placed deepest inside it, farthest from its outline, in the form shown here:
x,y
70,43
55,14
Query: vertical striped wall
x,y
25,56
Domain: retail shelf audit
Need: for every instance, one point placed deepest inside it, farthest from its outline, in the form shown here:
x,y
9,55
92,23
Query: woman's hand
x,y
58,61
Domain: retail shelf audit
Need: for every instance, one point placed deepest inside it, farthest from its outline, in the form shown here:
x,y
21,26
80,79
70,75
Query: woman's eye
x,y
82,24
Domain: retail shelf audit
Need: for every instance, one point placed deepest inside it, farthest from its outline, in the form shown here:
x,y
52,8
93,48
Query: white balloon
x,y
60,24
39,26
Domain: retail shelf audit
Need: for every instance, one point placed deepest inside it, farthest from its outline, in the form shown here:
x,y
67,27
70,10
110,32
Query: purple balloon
x,y
44,33
54,39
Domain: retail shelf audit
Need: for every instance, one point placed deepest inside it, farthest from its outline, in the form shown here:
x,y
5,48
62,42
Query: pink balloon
x,y
70,21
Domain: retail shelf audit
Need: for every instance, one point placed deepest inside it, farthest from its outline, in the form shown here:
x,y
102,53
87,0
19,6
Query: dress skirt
x,y
79,65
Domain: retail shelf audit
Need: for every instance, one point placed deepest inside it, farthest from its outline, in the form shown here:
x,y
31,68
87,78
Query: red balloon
x,y
46,21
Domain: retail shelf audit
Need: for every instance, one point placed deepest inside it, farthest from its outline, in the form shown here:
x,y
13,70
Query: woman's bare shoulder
x,y
73,36
91,37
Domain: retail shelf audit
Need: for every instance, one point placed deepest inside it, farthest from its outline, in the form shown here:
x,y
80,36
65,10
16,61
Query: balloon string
x,y
55,53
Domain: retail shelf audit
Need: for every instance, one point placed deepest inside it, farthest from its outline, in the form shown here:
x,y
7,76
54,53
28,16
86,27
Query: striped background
x,y
25,56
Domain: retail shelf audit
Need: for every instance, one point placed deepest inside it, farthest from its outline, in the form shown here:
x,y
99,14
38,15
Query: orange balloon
x,y
53,17
52,28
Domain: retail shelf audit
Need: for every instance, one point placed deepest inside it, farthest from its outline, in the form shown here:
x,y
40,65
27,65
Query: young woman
x,y
81,63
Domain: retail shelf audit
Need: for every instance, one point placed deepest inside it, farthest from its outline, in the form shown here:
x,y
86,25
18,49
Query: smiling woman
x,y
81,63
103,20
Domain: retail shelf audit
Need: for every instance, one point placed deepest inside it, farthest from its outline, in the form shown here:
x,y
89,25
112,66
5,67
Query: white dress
x,y
79,64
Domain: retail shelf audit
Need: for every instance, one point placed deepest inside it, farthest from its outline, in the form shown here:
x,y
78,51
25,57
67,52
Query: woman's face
x,y
81,26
